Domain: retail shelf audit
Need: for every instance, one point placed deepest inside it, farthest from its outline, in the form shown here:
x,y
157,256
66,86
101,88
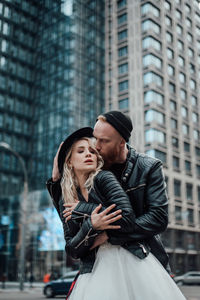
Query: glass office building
x,y
51,83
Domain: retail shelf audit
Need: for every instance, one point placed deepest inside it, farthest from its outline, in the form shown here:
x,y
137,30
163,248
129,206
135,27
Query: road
x,y
190,292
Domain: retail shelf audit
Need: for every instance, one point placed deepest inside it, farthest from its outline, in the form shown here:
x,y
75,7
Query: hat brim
x,y
78,134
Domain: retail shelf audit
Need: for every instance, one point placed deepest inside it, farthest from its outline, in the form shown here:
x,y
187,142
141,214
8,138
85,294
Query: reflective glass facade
x,y
51,83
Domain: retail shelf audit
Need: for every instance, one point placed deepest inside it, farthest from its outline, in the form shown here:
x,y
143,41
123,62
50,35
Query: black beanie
x,y
120,122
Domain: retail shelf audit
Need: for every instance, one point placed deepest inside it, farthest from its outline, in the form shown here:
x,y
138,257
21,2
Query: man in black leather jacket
x,y
139,175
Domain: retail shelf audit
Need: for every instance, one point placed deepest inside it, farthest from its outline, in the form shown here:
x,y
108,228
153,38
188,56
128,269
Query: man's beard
x,y
110,158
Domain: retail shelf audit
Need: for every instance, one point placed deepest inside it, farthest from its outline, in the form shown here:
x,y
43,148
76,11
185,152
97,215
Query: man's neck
x,y
123,156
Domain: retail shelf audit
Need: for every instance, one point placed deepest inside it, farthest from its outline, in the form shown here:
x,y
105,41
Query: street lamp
x,y
23,212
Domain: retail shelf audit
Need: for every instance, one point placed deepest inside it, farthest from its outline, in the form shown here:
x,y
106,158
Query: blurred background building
x,y
54,79
152,67
51,75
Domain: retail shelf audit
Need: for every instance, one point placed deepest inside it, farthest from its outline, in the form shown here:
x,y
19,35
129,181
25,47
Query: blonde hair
x,y
69,182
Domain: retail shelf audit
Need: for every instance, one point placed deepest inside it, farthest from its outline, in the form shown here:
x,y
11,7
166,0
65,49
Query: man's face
x,y
108,142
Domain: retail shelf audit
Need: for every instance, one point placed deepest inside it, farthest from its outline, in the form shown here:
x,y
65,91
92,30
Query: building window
x,y
198,171
185,129
180,45
198,194
157,154
174,124
122,34
153,96
172,88
182,78
180,244
178,214
188,9
195,117
197,30
197,17
124,103
189,38
177,188
190,216
150,42
186,147
176,162
187,166
173,106
121,3
192,68
193,100
167,5
183,95
168,21
123,68
122,18
151,59
181,61
192,84
123,85
175,142
170,54
179,30
190,53
178,14
123,51
151,77
198,44
155,135
184,112
171,70
169,37
151,25
154,115
197,151
148,8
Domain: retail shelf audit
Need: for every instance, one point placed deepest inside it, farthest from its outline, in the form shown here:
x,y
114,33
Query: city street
x,y
35,293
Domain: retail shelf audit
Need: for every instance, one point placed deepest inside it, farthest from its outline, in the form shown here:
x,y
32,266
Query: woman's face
x,y
83,158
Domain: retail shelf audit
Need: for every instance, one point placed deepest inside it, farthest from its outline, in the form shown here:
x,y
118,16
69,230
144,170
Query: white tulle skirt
x,y
119,275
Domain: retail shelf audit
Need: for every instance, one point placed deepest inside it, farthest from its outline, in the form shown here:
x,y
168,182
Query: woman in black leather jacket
x,y
106,271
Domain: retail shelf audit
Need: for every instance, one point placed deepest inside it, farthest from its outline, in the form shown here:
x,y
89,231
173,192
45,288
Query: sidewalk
x,y
13,284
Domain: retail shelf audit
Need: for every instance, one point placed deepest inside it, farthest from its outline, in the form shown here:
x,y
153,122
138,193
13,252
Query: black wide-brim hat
x,y
75,136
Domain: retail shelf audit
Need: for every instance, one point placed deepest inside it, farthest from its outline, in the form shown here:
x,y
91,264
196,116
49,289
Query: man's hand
x,y
99,240
67,212
102,221
55,172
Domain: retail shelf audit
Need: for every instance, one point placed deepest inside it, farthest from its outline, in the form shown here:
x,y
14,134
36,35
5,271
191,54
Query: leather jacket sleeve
x,y
55,192
154,220
79,239
110,192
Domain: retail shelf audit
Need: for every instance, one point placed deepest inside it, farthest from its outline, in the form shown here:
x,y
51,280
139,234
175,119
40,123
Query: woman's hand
x,y
55,172
67,212
99,240
102,221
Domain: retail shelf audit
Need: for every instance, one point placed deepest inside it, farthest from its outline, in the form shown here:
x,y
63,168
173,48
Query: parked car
x,y
59,286
192,277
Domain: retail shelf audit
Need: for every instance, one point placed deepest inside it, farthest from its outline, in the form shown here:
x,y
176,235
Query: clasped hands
x,y
100,220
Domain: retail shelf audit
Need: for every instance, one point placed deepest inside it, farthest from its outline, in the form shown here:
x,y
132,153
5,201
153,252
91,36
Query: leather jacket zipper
x,y
81,214
135,188
86,239
143,248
